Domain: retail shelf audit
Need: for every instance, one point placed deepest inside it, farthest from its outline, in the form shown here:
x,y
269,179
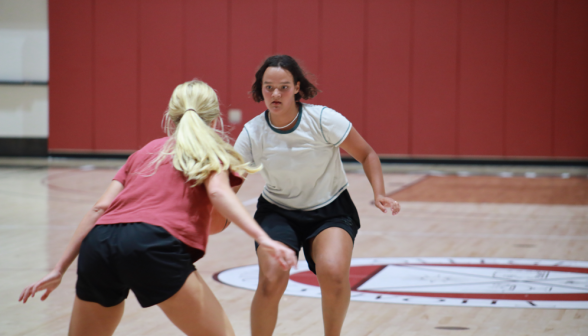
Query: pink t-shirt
x,y
162,198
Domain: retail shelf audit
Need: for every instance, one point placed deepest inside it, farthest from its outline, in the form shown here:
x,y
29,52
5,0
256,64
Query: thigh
x,y
331,251
334,237
92,319
279,229
195,310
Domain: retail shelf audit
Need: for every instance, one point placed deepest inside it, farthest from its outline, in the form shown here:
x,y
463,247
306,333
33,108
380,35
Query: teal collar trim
x,y
280,131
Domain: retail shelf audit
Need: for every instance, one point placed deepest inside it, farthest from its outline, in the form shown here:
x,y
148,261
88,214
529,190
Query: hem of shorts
x,y
174,293
328,227
108,306
285,207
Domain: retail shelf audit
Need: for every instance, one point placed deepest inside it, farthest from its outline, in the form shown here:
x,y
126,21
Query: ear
x,y
297,87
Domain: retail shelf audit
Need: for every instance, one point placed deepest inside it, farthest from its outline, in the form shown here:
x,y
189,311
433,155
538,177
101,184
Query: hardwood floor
x,y
40,206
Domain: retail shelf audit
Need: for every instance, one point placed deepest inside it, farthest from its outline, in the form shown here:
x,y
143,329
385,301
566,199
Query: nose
x,y
276,93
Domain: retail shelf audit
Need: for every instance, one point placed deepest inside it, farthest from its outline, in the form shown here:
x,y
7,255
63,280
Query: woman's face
x,y
279,90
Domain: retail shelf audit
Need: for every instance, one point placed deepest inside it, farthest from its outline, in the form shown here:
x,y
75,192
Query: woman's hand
x,y
49,282
383,202
283,254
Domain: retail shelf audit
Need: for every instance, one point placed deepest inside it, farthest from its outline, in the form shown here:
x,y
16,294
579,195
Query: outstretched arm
x,y
357,147
53,279
226,202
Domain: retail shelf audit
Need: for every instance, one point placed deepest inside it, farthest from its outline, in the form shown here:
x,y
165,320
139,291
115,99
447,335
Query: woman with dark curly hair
x,y
305,203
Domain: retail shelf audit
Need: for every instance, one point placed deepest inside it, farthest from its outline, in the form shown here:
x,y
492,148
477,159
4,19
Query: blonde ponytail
x,y
198,149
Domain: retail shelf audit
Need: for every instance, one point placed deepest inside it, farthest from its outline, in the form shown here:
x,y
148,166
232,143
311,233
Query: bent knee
x,y
272,284
333,275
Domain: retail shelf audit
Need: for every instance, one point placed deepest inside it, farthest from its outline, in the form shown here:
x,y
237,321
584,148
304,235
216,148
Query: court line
x,y
391,234
250,201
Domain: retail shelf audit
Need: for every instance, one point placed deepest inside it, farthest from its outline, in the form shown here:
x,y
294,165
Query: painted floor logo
x,y
470,282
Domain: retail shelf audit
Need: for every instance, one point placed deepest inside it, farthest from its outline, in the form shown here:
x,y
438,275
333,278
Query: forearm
x,y
373,170
227,203
73,247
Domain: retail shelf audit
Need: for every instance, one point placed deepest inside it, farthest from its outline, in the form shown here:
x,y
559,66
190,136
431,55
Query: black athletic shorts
x,y
142,257
295,228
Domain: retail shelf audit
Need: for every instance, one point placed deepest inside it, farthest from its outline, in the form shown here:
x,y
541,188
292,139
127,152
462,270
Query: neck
x,y
284,118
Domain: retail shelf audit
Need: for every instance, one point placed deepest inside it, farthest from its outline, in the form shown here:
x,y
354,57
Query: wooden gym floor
x,y
453,212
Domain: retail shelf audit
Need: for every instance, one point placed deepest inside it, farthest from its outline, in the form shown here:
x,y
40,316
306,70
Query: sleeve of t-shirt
x,y
124,171
243,146
334,126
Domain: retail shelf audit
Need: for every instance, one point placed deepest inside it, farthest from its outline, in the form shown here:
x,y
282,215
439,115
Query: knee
x,y
333,278
273,284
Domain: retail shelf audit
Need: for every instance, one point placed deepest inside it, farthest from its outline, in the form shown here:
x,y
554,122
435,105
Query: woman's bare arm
x,y
53,279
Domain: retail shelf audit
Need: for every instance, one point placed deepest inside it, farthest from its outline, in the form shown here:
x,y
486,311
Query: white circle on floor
x,y
467,282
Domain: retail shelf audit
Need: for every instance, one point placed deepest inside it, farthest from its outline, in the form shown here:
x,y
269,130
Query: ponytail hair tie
x,y
190,110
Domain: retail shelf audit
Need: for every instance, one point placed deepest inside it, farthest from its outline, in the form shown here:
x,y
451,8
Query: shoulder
x,y
323,114
256,124
319,111
154,145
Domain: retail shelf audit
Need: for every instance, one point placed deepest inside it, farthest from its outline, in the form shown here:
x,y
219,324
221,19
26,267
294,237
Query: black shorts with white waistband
x,y
141,257
296,228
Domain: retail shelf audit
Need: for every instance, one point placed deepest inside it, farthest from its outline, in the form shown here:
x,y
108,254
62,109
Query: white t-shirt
x,y
302,166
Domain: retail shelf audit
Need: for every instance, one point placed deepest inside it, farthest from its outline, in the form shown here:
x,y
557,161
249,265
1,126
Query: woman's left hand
x,y
383,203
48,283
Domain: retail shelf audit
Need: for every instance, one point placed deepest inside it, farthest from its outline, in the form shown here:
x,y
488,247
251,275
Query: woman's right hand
x,y
49,282
280,252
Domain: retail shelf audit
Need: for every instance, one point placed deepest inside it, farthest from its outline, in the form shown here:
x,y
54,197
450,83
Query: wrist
x,y
61,269
263,239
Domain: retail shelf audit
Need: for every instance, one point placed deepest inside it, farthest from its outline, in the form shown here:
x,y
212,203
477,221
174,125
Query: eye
x,y
268,87
284,87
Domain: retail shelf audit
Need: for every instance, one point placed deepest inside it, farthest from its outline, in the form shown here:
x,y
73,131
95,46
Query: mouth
x,y
276,103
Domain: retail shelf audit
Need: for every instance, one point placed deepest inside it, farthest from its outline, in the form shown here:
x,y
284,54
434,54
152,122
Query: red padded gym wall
x,y
71,88
481,77
387,76
421,78
342,58
434,82
529,78
206,56
161,60
116,82
571,79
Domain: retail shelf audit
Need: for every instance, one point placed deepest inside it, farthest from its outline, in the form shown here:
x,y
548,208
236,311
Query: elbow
x,y
370,157
214,194
99,209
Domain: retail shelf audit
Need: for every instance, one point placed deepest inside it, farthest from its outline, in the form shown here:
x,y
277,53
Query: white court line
x,y
250,201
476,235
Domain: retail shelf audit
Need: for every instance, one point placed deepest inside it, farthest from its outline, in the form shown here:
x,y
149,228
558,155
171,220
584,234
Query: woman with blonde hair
x,y
153,222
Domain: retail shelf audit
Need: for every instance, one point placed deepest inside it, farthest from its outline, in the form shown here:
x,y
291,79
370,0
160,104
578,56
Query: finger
x,y
34,290
25,295
283,263
47,292
380,206
396,208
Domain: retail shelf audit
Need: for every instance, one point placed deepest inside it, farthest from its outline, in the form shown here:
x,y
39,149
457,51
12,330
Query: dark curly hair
x,y
307,89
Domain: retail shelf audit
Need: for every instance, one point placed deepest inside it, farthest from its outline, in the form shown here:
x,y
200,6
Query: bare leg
x,y
92,319
272,284
195,310
331,251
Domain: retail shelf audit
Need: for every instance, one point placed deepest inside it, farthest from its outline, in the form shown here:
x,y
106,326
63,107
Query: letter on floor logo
x,y
474,282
